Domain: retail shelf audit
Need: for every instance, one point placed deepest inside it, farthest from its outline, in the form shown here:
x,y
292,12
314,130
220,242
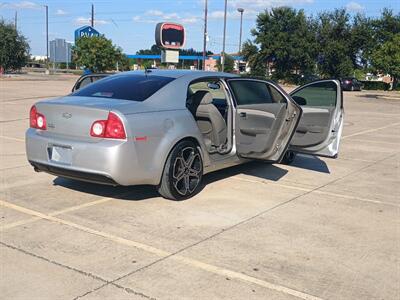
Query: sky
x,y
130,24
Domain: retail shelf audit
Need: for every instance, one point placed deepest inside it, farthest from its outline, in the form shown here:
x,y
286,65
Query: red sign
x,y
170,35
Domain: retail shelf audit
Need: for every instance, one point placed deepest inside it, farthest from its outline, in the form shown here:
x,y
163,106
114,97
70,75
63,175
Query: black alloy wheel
x,y
182,173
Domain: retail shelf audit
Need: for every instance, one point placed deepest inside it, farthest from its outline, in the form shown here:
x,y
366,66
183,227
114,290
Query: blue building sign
x,y
87,31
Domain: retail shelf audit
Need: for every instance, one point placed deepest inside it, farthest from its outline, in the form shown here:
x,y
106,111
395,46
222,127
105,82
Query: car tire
x,y
182,173
288,158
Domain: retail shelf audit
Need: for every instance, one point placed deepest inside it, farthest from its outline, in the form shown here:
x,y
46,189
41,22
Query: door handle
x,y
243,115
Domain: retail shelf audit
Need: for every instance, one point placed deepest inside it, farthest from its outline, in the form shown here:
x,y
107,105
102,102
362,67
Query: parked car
x,y
84,80
169,128
351,84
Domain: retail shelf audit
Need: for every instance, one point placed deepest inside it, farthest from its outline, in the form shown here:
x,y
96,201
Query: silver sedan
x,y
169,128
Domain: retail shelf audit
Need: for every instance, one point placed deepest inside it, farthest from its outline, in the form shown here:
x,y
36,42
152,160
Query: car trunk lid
x,y
74,116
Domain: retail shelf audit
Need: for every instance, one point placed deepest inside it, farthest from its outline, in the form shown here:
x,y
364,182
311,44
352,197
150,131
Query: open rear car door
x,y
265,119
321,123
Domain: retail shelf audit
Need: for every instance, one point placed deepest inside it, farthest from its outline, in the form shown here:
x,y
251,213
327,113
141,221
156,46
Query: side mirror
x,y
213,86
299,100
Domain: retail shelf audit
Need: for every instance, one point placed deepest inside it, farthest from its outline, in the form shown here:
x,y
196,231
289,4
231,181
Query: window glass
x,y
126,87
85,82
95,78
277,97
317,94
250,92
203,86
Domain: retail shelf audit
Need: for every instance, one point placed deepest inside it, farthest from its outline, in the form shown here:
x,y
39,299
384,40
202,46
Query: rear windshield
x,y
126,87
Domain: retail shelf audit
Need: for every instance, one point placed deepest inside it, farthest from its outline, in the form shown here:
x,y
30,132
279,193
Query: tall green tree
x,y
228,65
98,54
336,55
14,48
154,50
386,58
250,53
386,27
285,39
362,41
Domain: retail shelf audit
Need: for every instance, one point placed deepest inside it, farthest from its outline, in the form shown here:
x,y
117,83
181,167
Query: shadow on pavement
x,y
135,193
142,192
312,163
255,168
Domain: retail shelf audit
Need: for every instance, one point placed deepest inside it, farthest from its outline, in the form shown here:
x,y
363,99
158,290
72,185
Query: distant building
x,y
60,51
211,63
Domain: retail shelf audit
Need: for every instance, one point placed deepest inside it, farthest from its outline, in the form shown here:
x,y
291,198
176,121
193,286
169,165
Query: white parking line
x,y
188,261
12,138
22,183
318,191
370,130
55,213
376,142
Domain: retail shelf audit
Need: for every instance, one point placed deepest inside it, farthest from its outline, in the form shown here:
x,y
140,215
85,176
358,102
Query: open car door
x,y
321,123
265,119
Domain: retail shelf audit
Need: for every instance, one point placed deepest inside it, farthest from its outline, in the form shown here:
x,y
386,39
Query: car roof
x,y
193,74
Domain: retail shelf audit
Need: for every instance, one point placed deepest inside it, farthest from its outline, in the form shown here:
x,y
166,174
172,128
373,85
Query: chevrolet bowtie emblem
x,y
67,115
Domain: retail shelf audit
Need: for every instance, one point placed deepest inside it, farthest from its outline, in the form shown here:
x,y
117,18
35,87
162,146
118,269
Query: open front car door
x,y
321,123
265,119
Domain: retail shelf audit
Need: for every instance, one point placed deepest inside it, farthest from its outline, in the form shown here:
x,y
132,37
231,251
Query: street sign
x,y
87,31
170,35
169,56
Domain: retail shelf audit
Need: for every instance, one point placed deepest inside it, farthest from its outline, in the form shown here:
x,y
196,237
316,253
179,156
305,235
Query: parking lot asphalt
x,y
317,229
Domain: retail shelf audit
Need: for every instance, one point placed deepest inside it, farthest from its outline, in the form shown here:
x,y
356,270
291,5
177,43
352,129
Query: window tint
x,y
203,86
85,82
126,87
95,78
277,97
317,94
250,92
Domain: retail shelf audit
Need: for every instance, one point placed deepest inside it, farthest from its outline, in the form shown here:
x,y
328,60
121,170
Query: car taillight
x,y
112,128
347,81
37,120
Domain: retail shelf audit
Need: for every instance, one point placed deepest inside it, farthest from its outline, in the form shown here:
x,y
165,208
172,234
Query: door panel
x,y
319,129
264,120
258,127
313,127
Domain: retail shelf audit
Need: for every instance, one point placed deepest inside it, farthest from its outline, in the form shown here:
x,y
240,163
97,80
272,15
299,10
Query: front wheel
x,y
182,173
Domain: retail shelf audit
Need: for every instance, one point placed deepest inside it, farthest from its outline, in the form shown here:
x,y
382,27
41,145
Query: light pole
x,y
223,42
205,35
241,10
92,19
47,37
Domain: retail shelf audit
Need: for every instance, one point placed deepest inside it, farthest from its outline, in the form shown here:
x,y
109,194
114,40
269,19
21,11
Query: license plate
x,y
61,155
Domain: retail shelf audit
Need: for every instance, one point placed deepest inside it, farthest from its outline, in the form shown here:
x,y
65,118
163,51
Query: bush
x,y
375,85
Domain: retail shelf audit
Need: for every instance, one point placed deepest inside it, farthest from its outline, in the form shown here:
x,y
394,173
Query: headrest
x,y
205,96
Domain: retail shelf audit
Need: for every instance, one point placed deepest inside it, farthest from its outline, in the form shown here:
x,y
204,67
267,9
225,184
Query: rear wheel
x,y
182,173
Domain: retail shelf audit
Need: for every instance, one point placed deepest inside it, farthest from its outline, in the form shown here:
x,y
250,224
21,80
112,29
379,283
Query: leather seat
x,y
210,121
194,100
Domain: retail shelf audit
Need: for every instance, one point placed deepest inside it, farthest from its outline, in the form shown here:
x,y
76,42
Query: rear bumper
x,y
78,175
112,162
